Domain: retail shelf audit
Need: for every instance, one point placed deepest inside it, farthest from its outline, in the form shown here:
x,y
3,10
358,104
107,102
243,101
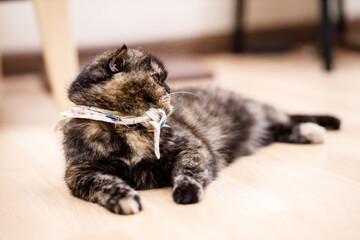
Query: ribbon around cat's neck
x,y
154,118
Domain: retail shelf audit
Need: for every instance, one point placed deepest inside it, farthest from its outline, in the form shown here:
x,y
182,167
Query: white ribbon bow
x,y
154,117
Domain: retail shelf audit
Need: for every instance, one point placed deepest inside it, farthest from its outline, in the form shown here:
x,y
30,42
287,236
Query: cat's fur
x,y
208,129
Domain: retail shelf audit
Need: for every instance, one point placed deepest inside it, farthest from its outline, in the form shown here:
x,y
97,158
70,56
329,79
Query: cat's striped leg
x,y
297,128
303,129
297,133
191,173
107,190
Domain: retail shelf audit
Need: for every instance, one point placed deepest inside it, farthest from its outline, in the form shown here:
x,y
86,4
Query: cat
x,y
208,129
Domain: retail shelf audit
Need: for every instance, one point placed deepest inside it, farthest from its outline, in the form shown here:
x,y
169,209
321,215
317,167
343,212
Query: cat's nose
x,y
167,88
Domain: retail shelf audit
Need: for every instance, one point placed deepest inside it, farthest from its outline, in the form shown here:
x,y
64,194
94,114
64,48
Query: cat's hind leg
x,y
297,128
301,133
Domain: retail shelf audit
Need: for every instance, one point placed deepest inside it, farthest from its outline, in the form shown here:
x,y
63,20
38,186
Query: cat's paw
x,y
187,192
129,204
312,132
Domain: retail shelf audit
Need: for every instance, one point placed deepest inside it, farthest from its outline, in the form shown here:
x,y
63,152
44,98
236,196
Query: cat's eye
x,y
155,76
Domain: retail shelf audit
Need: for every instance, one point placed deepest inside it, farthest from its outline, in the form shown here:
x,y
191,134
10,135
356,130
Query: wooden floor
x,y
282,192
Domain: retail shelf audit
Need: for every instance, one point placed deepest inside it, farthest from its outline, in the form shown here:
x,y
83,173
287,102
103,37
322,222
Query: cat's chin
x,y
165,104
168,110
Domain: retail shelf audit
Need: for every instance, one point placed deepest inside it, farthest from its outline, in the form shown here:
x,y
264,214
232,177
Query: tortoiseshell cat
x,y
105,163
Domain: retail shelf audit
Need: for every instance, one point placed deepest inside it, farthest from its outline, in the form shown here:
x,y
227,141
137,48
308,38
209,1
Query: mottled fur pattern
x,y
209,128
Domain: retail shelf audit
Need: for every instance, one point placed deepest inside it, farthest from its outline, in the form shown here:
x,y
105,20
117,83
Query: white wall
x,y
112,22
18,30
104,22
352,9
264,14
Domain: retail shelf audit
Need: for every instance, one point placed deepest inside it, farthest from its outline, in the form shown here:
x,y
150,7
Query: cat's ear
x,y
118,59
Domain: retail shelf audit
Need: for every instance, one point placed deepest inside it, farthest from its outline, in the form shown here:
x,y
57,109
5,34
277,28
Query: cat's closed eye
x,y
155,76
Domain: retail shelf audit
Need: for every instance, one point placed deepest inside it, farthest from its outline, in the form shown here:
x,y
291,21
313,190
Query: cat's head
x,y
126,80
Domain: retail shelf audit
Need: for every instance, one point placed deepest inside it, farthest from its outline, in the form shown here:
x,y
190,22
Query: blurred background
x,y
301,56
59,37
99,24
177,26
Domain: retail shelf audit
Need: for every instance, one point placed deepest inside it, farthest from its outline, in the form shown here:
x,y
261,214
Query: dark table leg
x,y
238,35
326,35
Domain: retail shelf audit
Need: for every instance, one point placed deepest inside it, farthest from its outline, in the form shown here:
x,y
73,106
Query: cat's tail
x,y
328,122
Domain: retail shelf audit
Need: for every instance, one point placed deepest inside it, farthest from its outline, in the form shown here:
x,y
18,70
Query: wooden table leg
x,y
59,51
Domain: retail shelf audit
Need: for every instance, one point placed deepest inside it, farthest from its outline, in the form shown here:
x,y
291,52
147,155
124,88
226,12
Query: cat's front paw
x,y
129,204
187,192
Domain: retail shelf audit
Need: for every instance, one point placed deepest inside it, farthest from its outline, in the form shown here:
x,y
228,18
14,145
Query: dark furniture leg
x,y
238,36
326,39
